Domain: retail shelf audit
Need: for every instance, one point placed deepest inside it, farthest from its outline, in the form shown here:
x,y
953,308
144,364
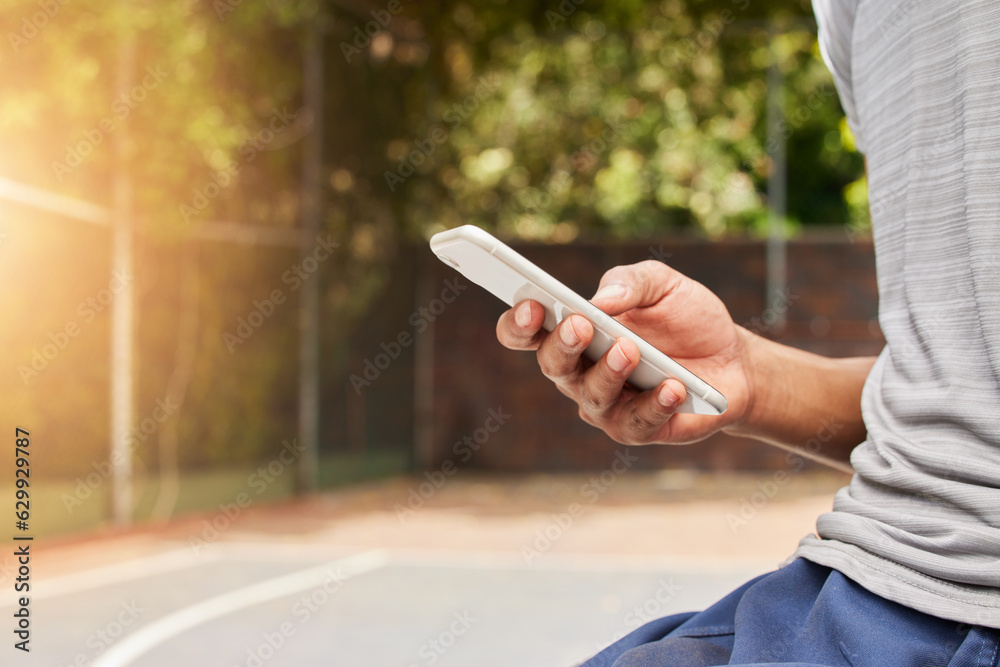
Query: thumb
x,y
635,286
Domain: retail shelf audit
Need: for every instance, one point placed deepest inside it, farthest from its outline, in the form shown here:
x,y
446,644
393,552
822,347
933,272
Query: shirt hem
x,y
903,585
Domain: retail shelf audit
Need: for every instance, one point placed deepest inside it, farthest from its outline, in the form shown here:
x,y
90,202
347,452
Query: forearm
x,y
803,401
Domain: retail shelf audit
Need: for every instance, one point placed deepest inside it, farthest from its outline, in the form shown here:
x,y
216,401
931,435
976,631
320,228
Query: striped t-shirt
x,y
919,523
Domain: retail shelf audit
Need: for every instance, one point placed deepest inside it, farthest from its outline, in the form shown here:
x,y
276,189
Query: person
x,y
905,570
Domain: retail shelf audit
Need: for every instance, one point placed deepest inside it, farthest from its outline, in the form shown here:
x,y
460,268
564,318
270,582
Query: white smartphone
x,y
488,262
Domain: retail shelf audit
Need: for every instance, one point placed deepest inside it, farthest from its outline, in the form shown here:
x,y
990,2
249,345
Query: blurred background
x,y
232,347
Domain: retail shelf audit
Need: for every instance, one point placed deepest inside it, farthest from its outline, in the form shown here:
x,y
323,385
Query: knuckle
x,y
589,401
648,266
548,368
607,378
638,423
507,337
646,270
586,416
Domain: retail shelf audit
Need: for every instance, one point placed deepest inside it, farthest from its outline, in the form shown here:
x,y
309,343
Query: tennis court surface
x,y
487,571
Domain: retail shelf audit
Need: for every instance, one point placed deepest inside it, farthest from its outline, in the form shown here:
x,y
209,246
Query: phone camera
x,y
449,261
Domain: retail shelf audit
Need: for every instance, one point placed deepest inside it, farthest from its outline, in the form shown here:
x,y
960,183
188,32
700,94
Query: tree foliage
x,y
540,120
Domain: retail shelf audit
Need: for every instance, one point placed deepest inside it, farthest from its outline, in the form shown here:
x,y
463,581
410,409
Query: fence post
x,y
312,167
777,192
423,370
122,390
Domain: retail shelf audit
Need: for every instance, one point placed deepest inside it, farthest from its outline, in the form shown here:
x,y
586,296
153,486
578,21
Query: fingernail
x,y
617,359
523,315
568,333
610,292
666,397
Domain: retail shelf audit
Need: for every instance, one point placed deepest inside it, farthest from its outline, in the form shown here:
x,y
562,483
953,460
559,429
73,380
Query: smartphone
x,y
488,262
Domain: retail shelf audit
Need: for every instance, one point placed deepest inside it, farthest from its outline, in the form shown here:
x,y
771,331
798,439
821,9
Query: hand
x,y
675,314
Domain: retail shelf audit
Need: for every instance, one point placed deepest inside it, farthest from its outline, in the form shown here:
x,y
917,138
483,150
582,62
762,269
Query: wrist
x,y
791,392
754,350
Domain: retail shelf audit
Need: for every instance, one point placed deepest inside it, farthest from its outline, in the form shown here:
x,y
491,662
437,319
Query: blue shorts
x,y
806,615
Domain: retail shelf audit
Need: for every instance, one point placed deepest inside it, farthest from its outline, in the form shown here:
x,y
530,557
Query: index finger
x,y
641,420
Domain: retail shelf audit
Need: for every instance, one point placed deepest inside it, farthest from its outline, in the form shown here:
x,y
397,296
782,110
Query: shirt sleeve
x,y
835,19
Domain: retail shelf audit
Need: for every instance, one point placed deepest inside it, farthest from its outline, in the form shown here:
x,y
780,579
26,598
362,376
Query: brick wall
x,y
831,309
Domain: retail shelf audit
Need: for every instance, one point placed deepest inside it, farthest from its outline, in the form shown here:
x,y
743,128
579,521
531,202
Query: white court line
x,y
181,558
108,575
253,550
140,642
178,559
286,552
577,562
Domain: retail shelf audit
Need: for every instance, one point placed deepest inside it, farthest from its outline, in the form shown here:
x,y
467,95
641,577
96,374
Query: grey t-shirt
x,y
920,521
